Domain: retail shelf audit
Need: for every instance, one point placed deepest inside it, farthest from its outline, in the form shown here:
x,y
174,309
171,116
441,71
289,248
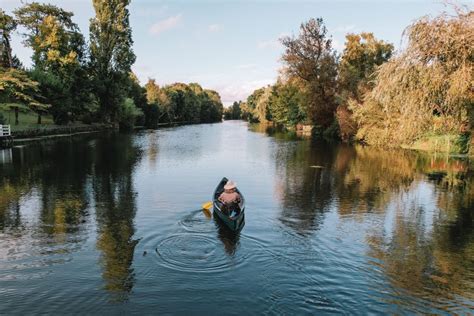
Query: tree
x,y
128,114
362,54
111,54
310,57
15,86
51,33
58,56
257,106
427,88
7,26
286,104
249,111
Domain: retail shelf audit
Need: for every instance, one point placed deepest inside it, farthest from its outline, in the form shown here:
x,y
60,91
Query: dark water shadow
x,y
230,239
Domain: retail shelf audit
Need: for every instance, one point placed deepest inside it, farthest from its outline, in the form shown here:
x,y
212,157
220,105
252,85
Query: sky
x,y
233,46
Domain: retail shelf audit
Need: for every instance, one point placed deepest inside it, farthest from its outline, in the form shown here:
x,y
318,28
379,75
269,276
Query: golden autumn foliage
x,y
427,88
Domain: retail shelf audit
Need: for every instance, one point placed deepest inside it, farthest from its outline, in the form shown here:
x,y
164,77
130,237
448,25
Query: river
x,y
112,223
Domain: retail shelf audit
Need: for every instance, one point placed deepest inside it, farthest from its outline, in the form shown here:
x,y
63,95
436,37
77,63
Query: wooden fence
x,y
6,138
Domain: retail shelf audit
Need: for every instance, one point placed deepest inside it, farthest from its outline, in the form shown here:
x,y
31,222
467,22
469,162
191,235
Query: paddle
x,y
207,206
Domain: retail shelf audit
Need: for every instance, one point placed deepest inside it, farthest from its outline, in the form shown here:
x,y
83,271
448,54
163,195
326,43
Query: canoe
x,y
234,219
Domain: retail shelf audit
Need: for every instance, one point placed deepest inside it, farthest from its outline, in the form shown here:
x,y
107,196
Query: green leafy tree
x,y
128,114
286,104
310,57
256,109
213,107
111,54
58,56
16,88
50,33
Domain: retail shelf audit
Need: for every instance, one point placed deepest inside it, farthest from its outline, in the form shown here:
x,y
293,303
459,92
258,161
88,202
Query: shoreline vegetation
x,y
420,97
74,86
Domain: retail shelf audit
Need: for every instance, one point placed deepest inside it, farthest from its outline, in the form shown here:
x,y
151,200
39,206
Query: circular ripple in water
x,y
195,253
197,222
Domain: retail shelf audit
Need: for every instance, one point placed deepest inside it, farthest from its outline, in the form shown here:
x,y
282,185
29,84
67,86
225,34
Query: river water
x,y
112,223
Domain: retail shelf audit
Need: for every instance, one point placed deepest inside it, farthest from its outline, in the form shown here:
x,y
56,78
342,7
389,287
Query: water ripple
x,y
194,253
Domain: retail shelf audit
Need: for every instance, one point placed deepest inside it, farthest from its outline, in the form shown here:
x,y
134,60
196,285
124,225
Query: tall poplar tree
x,y
111,54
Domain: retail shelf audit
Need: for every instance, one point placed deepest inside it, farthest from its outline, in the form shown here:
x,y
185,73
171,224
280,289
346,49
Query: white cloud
x,y
246,66
214,28
165,24
273,43
345,29
240,91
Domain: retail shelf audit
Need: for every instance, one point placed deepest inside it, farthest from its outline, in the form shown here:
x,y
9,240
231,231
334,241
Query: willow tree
x,y
311,58
427,88
111,54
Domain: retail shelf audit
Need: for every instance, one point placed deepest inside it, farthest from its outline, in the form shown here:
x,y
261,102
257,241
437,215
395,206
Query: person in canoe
x,y
230,195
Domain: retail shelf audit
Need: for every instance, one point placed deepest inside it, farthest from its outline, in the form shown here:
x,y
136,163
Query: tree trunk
x,y
471,127
16,116
39,118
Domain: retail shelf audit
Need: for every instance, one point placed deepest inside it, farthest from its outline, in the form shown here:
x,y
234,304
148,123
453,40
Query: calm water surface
x,y
111,223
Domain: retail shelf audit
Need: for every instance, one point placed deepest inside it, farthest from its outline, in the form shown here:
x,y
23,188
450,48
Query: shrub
x,y
128,114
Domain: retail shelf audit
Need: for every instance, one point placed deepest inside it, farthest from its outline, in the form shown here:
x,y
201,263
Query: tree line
x,y
90,82
369,93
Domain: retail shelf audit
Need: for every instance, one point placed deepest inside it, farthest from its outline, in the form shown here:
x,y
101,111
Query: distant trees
x,y
180,102
256,109
74,81
233,112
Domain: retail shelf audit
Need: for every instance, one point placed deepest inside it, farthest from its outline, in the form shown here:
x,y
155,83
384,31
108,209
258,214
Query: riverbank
x,y
47,132
462,144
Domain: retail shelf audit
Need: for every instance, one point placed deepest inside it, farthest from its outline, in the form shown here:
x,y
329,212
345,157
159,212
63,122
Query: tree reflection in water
x,y
77,176
58,187
305,192
425,249
116,209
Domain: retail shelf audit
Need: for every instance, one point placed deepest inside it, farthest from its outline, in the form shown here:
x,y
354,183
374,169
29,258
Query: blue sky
x,y
232,46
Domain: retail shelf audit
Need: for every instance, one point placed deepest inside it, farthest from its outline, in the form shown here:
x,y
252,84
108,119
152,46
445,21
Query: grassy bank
x,y
27,128
25,120
451,144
